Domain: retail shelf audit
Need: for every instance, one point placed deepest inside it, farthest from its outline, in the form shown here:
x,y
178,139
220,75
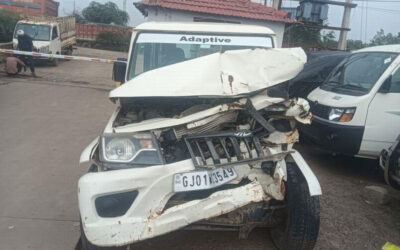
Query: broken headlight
x,y
341,114
130,149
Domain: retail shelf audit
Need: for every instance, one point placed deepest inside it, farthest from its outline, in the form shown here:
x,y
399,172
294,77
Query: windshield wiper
x,y
333,83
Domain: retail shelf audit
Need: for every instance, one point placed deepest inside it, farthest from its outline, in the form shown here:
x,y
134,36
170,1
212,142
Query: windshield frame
x,y
137,34
353,91
34,38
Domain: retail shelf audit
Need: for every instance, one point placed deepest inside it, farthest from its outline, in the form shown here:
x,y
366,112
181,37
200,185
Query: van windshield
x,y
36,32
357,74
155,50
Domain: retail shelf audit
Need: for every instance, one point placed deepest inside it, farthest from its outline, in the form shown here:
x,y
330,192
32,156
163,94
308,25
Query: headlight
x,y
341,114
136,149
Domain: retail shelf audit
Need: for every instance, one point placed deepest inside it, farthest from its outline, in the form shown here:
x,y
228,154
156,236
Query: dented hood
x,y
227,74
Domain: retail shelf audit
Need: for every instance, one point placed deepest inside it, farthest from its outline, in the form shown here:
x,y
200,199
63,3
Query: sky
x,y
366,19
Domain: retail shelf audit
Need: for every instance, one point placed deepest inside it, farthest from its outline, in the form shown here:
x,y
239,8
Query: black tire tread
x,y
302,226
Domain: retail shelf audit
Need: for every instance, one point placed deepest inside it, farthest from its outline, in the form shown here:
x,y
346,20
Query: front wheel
x,y
300,219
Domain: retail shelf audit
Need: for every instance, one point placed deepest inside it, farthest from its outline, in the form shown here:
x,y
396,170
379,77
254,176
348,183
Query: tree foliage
x,y
302,36
309,37
113,41
384,39
107,13
8,20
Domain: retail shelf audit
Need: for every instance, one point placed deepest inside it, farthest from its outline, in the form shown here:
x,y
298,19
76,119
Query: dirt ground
x,y
46,122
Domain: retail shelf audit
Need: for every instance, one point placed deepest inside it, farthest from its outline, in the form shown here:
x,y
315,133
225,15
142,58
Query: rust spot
x,y
230,79
235,105
283,188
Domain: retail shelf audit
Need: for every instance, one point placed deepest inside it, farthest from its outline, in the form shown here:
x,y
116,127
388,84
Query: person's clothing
x,y
25,43
14,65
29,61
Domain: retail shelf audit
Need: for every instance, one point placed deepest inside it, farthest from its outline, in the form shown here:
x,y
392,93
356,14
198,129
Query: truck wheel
x,y
300,219
84,244
54,62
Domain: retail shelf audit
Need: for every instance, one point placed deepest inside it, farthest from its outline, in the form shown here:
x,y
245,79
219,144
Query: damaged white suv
x,y
202,138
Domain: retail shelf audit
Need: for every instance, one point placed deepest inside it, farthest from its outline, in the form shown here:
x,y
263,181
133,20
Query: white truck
x,y
199,140
50,35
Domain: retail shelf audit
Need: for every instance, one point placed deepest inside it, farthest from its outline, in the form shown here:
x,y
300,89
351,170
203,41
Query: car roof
x,y
207,27
394,48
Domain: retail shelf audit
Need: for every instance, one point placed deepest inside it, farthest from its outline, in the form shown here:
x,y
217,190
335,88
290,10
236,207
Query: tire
x,y
391,169
300,219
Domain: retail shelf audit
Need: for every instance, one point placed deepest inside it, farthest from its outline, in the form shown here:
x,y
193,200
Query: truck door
x,y
383,119
55,43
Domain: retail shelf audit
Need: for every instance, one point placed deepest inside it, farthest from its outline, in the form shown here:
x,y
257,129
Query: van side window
x,y
395,87
55,33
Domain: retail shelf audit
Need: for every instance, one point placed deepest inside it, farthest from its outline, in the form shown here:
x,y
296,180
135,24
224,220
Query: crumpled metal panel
x,y
229,74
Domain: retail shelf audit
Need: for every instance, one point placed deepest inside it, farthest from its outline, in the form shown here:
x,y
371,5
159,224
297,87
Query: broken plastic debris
x,y
11,227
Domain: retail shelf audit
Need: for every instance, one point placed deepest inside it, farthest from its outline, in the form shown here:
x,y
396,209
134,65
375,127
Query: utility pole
x,y
124,5
345,26
276,4
74,6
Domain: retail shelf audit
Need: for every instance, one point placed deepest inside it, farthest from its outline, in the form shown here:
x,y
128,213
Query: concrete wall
x,y
157,14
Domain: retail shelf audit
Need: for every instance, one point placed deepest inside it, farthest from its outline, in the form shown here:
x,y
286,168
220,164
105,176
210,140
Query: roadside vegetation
x,y
7,25
310,37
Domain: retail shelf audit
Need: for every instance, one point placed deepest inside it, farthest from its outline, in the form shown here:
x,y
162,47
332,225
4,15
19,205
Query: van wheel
x,y
394,164
300,219
84,244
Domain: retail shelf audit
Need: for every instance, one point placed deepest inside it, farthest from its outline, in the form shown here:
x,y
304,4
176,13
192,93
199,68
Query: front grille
x,y
226,148
319,110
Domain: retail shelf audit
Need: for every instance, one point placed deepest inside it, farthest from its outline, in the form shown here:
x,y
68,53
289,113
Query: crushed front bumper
x,y
146,217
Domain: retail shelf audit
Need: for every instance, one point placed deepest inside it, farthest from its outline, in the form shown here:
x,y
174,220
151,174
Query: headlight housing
x,y
128,150
341,114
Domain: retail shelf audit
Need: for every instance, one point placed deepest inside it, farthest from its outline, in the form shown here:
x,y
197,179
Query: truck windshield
x,y
153,50
357,74
36,32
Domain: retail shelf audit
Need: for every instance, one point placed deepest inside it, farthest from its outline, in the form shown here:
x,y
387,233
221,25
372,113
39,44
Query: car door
x,y
383,119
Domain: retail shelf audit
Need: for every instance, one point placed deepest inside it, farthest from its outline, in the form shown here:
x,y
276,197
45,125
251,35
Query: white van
x,y
357,109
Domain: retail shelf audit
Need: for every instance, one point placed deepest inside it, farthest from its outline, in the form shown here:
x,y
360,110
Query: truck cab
x,y
357,109
194,126
155,45
45,35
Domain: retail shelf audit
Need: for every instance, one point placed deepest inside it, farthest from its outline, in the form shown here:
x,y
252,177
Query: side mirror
x,y
119,70
385,88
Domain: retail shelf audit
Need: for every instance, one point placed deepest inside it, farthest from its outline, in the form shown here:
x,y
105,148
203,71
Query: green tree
x,y
303,36
8,20
328,41
355,44
381,38
107,13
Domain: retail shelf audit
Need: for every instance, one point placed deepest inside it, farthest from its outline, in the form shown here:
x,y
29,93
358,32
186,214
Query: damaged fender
x,y
313,184
88,152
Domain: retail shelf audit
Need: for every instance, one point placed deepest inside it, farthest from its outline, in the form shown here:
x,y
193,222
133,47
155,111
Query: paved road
x,y
46,123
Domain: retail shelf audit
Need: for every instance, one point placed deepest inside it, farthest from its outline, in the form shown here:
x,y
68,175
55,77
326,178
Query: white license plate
x,y
200,180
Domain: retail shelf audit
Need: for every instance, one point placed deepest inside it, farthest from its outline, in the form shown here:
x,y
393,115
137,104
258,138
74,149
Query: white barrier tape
x,y
52,56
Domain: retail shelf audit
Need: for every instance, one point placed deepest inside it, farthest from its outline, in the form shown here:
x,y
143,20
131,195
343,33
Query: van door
x,y
383,119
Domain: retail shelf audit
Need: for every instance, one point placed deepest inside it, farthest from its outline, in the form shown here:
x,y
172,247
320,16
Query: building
x,y
31,7
227,11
